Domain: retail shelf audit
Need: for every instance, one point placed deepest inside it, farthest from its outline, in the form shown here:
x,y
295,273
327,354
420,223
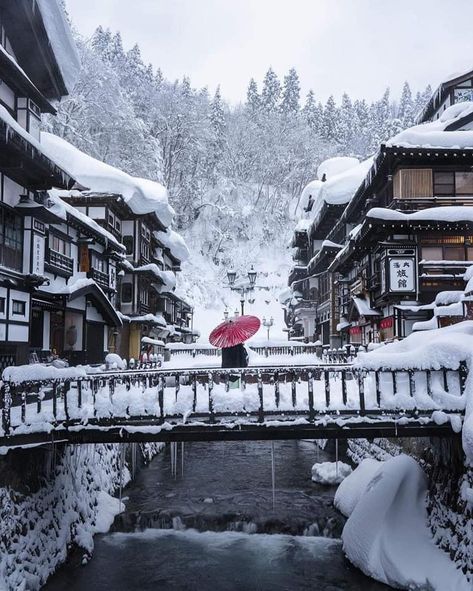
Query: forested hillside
x,y
231,171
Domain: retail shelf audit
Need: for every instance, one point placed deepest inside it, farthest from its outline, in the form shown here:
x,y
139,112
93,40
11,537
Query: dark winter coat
x,y
234,356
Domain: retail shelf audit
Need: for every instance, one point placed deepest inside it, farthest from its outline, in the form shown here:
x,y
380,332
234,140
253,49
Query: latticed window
x,y
11,240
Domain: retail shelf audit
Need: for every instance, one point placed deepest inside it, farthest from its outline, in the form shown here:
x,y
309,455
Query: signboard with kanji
x,y
402,274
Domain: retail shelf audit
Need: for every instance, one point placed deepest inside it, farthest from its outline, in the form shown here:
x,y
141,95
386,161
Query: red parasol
x,y
234,331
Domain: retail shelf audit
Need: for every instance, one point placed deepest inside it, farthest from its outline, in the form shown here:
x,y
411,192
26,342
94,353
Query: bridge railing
x,y
259,394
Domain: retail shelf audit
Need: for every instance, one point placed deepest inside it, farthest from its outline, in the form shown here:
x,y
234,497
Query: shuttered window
x,y
413,183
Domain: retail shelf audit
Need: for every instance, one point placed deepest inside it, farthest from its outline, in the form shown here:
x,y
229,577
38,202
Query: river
x,y
204,520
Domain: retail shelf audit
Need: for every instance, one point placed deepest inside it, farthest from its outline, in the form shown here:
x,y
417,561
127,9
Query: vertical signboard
x,y
37,258
402,274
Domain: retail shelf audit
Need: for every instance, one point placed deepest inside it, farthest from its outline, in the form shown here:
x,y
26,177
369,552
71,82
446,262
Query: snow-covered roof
x,y
340,189
61,209
453,213
168,278
141,195
175,243
435,134
156,319
150,341
61,41
303,225
335,166
363,307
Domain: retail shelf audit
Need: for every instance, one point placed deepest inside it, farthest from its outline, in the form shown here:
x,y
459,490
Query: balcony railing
x,y
305,305
60,262
100,278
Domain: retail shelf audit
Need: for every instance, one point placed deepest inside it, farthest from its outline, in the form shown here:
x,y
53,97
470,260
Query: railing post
x,y
462,375
294,389
378,391
428,378
261,401
161,398
177,385
394,382
6,407
211,402
23,403
327,388
344,387
65,389
55,387
361,389
79,393
445,380
310,393
412,383
194,392
276,389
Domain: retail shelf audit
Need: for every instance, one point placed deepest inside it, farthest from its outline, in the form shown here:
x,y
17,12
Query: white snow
x,y
330,472
387,534
143,196
108,508
60,38
363,307
175,243
452,213
335,166
114,361
25,373
167,277
433,134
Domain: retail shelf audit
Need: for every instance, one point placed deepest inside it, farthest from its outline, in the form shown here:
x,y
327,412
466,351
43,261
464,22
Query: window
x,y
454,253
18,307
453,183
128,243
2,305
127,293
60,245
118,225
464,183
432,253
11,240
99,263
413,183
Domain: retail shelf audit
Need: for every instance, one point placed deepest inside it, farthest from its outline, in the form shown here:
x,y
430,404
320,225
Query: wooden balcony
x,y
60,262
100,278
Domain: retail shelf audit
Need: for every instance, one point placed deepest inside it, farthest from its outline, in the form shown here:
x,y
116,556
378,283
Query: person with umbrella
x,y
230,336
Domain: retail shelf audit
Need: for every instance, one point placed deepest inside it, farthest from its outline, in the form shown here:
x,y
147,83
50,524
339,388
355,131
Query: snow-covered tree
x,y
271,92
291,93
253,100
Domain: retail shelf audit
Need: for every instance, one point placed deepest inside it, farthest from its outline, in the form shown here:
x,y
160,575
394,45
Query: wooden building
x,y
404,235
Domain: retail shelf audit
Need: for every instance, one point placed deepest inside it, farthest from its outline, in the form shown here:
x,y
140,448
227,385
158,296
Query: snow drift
x,y
386,534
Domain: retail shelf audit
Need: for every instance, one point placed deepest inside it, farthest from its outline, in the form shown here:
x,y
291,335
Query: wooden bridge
x,y
208,404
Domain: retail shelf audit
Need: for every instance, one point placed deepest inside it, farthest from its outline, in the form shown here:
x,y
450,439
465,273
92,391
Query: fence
x,y
218,395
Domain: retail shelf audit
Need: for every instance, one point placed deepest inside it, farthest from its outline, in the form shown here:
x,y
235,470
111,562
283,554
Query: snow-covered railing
x,y
198,398
271,349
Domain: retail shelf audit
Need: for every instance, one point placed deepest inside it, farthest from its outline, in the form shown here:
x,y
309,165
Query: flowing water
x,y
223,516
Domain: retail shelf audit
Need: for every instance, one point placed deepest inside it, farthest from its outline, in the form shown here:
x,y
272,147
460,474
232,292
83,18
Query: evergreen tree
x,y
406,107
310,111
328,129
291,93
345,127
253,99
271,91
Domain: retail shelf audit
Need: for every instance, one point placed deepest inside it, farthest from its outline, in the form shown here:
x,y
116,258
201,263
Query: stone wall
x,y
53,500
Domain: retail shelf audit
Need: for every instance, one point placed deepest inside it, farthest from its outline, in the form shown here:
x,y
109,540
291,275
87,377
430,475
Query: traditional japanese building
x,y
136,213
404,234
37,65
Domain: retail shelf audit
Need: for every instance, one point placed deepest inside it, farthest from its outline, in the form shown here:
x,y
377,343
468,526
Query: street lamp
x,y
268,324
242,289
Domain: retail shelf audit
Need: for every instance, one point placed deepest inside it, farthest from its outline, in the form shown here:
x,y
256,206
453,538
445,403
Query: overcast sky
x,y
357,46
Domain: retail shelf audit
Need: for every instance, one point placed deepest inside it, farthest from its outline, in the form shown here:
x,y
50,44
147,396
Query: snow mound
x,y
387,535
25,373
435,134
143,196
330,472
114,361
335,166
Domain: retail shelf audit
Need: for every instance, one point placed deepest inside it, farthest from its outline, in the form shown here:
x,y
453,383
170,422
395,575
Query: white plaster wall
x,y
17,332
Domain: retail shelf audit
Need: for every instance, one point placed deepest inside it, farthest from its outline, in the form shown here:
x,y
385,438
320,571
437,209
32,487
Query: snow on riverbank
x,y
387,534
330,472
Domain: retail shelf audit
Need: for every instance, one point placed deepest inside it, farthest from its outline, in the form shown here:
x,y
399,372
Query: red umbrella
x,y
234,331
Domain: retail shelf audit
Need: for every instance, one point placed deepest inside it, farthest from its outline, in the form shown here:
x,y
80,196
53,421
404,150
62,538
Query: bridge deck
x,y
336,401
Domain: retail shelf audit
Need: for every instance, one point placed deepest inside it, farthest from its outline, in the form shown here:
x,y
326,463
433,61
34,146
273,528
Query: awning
x,y
100,301
363,307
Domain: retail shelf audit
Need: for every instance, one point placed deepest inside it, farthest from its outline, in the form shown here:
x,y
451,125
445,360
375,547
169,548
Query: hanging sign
x,y
84,258
37,258
386,322
402,274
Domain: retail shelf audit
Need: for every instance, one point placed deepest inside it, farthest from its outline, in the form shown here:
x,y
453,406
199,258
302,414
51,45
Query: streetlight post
x,y
243,290
268,324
